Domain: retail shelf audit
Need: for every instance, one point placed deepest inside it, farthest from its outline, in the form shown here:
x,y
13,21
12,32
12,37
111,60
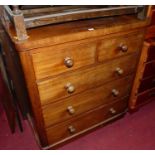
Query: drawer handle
x,y
71,110
71,129
112,110
68,62
70,88
123,47
119,71
115,92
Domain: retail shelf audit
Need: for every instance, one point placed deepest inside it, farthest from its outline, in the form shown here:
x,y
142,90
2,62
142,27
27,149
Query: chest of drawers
x,y
143,90
79,74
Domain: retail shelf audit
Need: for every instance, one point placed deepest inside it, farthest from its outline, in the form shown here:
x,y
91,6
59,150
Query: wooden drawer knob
x,y
68,62
119,71
115,92
123,47
71,129
71,110
70,88
112,111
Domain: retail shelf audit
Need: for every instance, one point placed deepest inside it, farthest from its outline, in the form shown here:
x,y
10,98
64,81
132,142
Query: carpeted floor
x,y
134,131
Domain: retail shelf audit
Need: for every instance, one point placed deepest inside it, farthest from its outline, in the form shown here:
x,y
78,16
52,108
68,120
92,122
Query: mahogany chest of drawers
x,y
79,74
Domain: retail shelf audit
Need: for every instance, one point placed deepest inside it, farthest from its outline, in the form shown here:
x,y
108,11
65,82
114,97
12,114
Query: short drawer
x,y
51,61
84,79
85,122
146,84
119,46
80,103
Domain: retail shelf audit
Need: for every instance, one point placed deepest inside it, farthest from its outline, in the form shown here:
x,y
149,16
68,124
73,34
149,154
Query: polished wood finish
x,y
14,15
67,70
79,74
144,79
78,30
85,121
80,103
34,97
138,76
55,88
113,47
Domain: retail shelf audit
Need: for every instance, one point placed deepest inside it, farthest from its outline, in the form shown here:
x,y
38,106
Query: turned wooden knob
x,y
68,62
115,92
71,129
70,88
71,110
112,110
119,71
123,47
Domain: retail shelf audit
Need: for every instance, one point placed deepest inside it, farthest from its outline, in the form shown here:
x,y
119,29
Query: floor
x,y
132,132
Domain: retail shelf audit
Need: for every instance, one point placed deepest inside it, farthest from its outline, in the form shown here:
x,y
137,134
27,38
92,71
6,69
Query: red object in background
x,y
7,102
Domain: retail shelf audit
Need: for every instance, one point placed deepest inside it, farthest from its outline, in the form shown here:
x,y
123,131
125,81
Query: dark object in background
x,y
24,17
13,98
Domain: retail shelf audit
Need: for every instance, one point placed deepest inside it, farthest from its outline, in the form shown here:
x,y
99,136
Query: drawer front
x,y
75,82
119,46
83,122
80,103
48,61
149,70
146,84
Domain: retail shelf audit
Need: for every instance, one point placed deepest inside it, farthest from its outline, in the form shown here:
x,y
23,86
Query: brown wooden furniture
x,y
24,17
12,67
79,74
144,84
12,98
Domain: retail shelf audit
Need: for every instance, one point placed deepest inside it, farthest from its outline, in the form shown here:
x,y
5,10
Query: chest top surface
x,y
77,30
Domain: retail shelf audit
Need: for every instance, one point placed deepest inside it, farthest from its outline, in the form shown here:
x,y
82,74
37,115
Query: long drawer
x,y
80,103
76,82
122,45
85,122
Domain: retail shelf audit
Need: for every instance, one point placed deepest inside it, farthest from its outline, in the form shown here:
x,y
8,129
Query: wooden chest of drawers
x,y
79,74
144,84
